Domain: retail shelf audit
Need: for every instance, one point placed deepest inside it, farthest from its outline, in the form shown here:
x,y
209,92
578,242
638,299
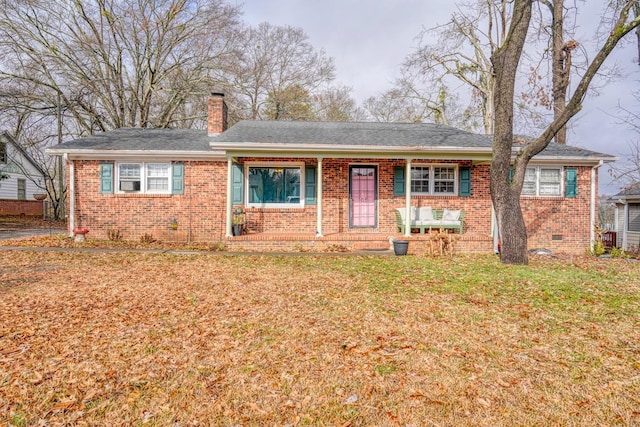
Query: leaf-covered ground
x,y
175,340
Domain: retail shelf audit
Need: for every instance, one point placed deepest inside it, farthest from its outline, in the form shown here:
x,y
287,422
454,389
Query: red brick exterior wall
x,y
558,223
200,211
21,207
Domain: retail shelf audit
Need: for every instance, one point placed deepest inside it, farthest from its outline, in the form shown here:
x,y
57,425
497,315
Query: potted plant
x,y
238,222
400,247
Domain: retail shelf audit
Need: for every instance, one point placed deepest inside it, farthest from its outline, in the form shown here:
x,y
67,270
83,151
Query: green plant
x,y
238,219
598,248
18,420
618,253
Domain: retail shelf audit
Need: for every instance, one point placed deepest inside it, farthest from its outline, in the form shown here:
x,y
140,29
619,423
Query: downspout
x,y
592,234
319,198
625,212
229,195
407,201
72,194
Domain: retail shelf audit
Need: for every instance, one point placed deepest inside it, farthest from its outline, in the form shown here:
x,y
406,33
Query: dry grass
x,y
156,339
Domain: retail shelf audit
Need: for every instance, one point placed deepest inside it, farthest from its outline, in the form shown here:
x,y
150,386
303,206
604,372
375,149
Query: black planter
x,y
237,229
400,247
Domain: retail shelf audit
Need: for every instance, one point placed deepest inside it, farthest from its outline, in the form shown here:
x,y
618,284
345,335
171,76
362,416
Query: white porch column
x,y
593,210
229,195
319,197
72,195
407,201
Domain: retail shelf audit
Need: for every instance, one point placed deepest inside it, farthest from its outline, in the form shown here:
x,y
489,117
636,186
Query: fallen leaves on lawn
x,y
165,340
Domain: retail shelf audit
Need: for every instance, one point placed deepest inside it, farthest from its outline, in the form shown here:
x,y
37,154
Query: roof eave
x,y
578,160
89,154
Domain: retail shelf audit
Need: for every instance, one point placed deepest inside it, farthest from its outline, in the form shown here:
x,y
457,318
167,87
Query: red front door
x,y
363,196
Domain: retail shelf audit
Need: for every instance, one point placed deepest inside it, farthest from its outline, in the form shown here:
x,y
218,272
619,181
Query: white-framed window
x,y
633,217
136,177
22,189
438,180
542,181
275,185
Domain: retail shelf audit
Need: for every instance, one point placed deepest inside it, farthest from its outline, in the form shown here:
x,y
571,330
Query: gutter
x,y
88,154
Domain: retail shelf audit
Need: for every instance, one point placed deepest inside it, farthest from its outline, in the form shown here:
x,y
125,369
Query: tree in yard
x,y
335,104
405,103
627,173
114,63
506,190
75,67
561,62
272,65
462,54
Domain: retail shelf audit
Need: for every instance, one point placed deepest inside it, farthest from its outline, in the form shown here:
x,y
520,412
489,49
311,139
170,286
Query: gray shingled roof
x,y
351,133
632,192
301,134
136,139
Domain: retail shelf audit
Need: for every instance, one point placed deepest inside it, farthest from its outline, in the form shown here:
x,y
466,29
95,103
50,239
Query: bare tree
x,y
506,190
627,172
463,52
273,63
96,65
115,63
336,104
561,62
636,13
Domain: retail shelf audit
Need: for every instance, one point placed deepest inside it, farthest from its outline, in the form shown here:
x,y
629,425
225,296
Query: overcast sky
x,y
369,39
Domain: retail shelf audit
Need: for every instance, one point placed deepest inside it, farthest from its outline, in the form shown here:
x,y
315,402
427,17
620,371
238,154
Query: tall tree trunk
x,y
636,13
561,66
505,192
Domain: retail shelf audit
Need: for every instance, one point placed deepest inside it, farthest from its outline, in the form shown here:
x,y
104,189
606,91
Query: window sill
x,y
274,208
142,195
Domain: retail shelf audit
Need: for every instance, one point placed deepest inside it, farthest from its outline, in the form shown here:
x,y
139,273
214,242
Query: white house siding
x,y
9,187
633,240
620,225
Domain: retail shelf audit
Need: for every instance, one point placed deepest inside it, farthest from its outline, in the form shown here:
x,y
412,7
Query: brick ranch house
x,y
315,185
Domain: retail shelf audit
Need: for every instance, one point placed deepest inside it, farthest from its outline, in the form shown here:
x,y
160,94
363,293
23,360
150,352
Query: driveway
x,y
10,229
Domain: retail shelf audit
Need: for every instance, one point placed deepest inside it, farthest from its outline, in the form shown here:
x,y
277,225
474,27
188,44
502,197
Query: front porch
x,y
354,242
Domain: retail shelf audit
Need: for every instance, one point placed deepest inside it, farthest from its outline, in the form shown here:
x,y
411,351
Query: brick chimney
x,y
216,114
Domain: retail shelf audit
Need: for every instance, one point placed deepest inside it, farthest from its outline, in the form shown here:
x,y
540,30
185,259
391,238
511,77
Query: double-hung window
x,y
275,185
151,178
22,189
633,217
439,180
542,181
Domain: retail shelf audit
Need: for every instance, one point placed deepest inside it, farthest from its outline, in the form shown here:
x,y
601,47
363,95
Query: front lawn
x,y
212,339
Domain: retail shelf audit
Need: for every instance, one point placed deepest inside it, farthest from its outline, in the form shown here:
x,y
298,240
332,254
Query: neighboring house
x,y
316,185
22,173
627,218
